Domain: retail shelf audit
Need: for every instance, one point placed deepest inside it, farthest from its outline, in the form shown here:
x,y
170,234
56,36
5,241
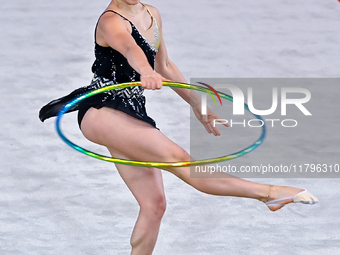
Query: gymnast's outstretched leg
x,y
137,140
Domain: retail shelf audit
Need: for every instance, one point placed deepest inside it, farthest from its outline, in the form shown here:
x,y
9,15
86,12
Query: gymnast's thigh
x,y
129,137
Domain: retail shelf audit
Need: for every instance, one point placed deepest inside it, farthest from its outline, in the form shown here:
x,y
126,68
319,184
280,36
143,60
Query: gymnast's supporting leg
x,y
146,184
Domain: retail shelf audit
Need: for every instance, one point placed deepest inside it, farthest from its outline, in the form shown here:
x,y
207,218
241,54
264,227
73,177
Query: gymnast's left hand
x,y
208,120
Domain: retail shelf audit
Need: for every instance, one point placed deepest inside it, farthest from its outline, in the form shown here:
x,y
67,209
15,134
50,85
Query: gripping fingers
x,y
152,81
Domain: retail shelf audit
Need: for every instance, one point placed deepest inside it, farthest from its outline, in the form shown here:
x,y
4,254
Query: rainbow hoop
x,y
155,164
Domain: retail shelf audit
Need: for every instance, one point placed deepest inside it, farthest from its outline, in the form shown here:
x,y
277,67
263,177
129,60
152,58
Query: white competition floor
x,y
54,200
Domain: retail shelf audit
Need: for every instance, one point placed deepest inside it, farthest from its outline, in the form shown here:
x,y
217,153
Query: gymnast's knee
x,y
154,209
176,154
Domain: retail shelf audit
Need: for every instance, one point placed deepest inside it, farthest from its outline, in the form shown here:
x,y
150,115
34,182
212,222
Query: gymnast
x,y
129,46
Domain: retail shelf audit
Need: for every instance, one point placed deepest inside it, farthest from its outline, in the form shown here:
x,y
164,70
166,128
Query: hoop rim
x,y
148,163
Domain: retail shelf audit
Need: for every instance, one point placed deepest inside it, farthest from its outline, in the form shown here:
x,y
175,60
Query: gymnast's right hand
x,y
151,80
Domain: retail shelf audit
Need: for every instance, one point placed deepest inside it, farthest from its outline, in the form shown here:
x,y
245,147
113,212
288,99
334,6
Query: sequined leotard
x,y
111,67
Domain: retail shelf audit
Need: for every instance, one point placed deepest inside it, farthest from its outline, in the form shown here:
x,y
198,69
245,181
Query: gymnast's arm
x,y
113,31
165,67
